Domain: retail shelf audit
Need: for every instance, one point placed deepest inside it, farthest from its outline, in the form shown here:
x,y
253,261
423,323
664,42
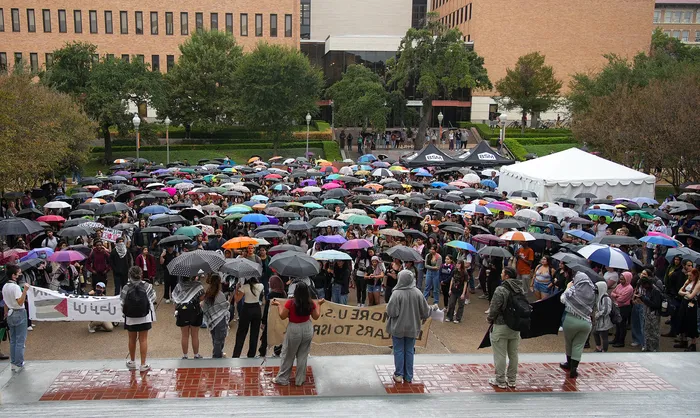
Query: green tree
x,y
71,67
201,84
437,61
42,132
530,86
401,114
360,99
112,84
275,87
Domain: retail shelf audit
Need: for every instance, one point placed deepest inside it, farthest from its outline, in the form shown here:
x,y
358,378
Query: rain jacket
x,y
500,299
407,308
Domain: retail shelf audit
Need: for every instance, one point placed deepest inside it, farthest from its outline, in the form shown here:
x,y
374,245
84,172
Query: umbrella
x,y
190,231
331,223
37,253
174,240
238,243
331,239
196,262
493,251
331,255
155,230
508,223
28,212
111,208
524,193
517,236
285,247
242,267
489,183
30,263
658,240
257,218
607,256
19,226
415,233
294,264
565,200
615,240
558,212
298,226
75,222
570,258
578,233
684,252
585,196
392,233
66,256
404,253
598,212
74,231
528,214
57,204
154,210
487,239
356,244
360,220
461,245
577,267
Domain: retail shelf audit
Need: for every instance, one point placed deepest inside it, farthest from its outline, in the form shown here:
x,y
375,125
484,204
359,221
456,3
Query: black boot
x,y
691,347
682,344
567,365
573,372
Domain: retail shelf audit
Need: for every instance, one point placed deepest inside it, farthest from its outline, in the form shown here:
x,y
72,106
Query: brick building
x,y
679,19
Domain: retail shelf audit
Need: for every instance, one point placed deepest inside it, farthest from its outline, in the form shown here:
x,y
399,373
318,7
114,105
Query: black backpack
x,y
136,303
615,316
517,312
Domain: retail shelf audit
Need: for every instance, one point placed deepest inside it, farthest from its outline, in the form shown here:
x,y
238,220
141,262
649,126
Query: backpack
x,y
615,315
517,312
190,311
136,303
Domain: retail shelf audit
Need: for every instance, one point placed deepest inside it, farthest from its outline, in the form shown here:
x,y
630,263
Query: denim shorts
x,y
542,288
373,288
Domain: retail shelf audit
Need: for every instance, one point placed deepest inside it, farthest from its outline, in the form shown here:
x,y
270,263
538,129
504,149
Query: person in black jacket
x,y
650,296
121,261
341,282
674,280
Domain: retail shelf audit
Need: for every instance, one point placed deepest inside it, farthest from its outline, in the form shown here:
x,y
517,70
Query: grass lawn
x,y
240,156
542,150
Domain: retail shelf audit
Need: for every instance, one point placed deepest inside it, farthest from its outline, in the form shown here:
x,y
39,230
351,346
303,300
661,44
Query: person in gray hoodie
x,y
406,311
504,340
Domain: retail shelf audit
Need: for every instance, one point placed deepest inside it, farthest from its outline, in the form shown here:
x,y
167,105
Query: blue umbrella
x,y
438,184
281,187
461,245
255,218
578,233
154,210
599,212
367,158
251,203
657,240
260,198
37,253
607,256
489,183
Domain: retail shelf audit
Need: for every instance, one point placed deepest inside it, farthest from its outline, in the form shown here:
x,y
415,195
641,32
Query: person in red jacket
x,y
98,264
148,264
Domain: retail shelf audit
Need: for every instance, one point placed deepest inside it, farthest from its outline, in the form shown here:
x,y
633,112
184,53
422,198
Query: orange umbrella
x,y
275,158
259,206
374,186
517,236
253,159
239,242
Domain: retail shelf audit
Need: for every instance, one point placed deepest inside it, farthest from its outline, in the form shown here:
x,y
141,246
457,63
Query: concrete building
x,y
679,19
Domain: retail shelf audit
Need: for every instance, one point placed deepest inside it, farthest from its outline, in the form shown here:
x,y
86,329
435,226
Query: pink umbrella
x,y
329,186
66,256
50,218
272,176
380,222
169,190
650,233
356,244
297,190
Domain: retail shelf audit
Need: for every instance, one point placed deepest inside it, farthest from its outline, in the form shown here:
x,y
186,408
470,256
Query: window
x,y
62,26
676,34
199,22
31,20
697,16
244,24
685,35
2,25
3,62
214,22
169,62
46,15
258,25
667,32
697,36
229,22
15,21
273,26
184,29
140,58
125,57
155,63
139,23
288,26
34,62
154,23
18,59
687,17
109,28
123,23
676,17
657,16
93,21
48,57
305,28
110,56
169,23
78,21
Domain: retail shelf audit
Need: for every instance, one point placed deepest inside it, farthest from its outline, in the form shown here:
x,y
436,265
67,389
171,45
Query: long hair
x,y
251,282
302,299
214,281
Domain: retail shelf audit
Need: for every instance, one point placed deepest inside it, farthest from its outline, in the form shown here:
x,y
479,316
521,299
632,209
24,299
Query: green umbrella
x,y
642,213
385,208
234,216
173,182
189,231
360,220
208,178
186,170
312,205
332,202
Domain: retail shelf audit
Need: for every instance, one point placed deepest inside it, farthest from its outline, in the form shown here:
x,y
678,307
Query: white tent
x,y
570,172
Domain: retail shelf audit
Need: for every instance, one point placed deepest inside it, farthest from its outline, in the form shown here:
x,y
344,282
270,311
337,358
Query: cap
x,y
656,218
101,284
374,257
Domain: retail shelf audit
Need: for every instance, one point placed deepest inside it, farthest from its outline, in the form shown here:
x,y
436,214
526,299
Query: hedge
x,y
252,145
484,130
528,134
322,126
545,140
518,151
323,136
331,150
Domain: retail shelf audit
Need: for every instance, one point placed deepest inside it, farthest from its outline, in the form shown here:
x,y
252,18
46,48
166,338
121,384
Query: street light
x,y
137,122
503,119
308,121
167,139
440,118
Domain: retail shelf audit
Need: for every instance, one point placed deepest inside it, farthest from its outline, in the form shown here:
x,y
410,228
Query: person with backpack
x,y
187,296
602,317
509,314
579,300
137,299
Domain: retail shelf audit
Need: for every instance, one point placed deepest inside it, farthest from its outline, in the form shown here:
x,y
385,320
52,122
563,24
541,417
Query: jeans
x,y
638,324
404,352
601,339
250,317
169,283
337,297
445,288
432,281
17,323
320,293
119,281
218,337
505,343
420,269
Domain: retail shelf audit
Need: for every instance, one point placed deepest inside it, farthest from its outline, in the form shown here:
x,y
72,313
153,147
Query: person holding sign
x,y
16,314
300,331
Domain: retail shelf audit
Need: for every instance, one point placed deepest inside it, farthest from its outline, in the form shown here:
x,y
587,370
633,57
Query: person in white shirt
x,y
50,241
252,293
14,296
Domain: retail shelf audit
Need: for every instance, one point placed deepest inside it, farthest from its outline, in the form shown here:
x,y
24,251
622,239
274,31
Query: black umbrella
x,y
269,227
546,237
315,221
525,193
294,264
409,214
586,196
168,219
83,249
75,231
31,263
28,213
123,226
616,240
82,212
242,267
286,215
190,213
415,233
404,253
298,226
196,262
478,229
269,234
285,247
545,224
571,247
19,226
179,206
81,195
74,222
320,212
635,231
336,194
13,195
508,223
174,240
454,229
89,180
595,277
565,200
159,194
570,258
111,208
495,252
210,219
155,230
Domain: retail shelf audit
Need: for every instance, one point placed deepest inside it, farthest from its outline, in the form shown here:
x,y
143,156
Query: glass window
x,y
214,21
676,34
169,23
244,24
46,17
18,59
184,24
667,16
78,21
288,26
15,20
109,28
229,22
687,17
3,62
667,32
697,36
697,15
31,20
34,62
676,17
123,23
48,57
140,58
657,16
154,23
155,63
169,62
305,28
125,57
139,22
62,26
199,21
258,25
273,26
685,35
2,24
93,21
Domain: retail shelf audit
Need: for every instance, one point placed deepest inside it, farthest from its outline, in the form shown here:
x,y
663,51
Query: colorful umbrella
x,y
517,236
461,245
356,244
578,233
658,240
66,256
238,243
607,256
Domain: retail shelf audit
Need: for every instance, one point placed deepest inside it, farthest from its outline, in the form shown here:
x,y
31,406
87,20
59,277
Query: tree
x,y
42,132
530,86
401,113
275,87
112,84
70,70
436,60
201,84
360,99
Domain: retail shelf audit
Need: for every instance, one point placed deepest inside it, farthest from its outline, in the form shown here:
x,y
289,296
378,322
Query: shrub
x,y
545,140
322,126
233,146
484,130
518,151
323,136
331,150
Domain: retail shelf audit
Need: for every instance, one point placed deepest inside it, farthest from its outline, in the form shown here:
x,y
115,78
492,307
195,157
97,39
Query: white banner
x,y
47,305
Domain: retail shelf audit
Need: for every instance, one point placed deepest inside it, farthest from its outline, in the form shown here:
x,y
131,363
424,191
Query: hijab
x,y
276,285
602,291
580,297
120,247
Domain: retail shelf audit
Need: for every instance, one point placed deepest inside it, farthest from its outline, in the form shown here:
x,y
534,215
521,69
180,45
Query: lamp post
x,y
167,139
502,119
137,122
308,121
440,118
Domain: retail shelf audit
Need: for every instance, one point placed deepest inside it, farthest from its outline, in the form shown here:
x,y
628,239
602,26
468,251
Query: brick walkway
x,y
532,377
71,385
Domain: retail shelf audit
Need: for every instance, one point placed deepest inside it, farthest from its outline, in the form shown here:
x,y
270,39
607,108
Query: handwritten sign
x,y
344,324
47,305
111,235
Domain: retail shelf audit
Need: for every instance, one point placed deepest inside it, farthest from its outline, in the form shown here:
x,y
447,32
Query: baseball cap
x,y
101,284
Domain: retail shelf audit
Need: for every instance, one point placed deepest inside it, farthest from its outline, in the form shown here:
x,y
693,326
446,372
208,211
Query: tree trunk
x,y
523,122
188,130
534,120
108,143
423,125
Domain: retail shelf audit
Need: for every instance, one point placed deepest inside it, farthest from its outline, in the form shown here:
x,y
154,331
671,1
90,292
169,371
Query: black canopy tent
x,y
430,156
483,156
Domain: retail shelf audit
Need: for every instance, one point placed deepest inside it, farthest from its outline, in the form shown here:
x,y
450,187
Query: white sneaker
x,y
197,356
359,305
30,328
145,367
466,302
486,312
14,368
494,382
398,379
131,365
561,329
512,385
634,344
456,321
91,330
167,301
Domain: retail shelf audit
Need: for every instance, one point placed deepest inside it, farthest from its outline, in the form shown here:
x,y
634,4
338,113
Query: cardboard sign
x,y
47,305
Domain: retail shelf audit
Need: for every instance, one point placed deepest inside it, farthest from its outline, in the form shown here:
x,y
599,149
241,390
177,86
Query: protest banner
x,y
47,305
111,235
344,324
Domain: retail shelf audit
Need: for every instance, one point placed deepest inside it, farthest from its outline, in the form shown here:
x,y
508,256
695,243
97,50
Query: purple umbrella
x,y
122,173
331,239
66,256
309,182
160,171
356,244
273,220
